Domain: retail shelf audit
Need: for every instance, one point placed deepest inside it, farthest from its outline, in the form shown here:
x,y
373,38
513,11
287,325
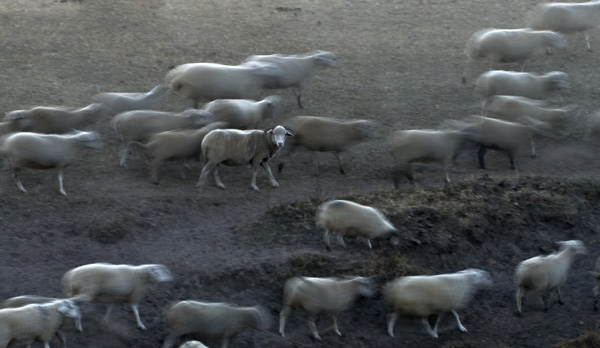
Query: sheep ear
x,y
288,133
269,131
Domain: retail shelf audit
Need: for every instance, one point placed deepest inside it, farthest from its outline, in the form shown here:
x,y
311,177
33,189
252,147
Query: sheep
x,y
326,134
139,125
58,120
510,45
20,301
295,69
567,18
346,218
427,295
243,113
523,84
44,151
490,133
511,108
408,146
210,81
544,274
35,322
118,102
233,147
322,295
206,320
174,145
193,344
18,122
596,291
110,283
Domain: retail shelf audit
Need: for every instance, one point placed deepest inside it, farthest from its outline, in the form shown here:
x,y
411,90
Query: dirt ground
x,y
400,65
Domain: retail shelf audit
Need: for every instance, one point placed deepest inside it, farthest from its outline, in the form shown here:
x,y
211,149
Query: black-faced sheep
x,y
510,45
524,84
117,102
544,274
233,147
346,218
209,81
425,296
243,113
108,283
206,320
408,146
295,69
58,120
322,295
44,151
567,18
35,322
512,108
325,134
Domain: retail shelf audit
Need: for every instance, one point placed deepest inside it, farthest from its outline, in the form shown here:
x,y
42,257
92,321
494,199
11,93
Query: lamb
x,y
346,218
510,45
243,113
210,81
511,108
596,275
544,274
205,320
567,18
322,295
118,102
35,322
109,283
58,120
233,147
500,82
44,151
491,133
326,134
20,301
139,125
427,295
174,145
295,69
408,146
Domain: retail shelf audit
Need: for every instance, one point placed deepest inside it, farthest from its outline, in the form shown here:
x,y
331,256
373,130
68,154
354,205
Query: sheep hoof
x,y
254,187
342,171
328,248
62,192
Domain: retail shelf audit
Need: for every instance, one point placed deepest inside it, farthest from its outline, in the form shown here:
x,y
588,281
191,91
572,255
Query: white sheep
x,y
427,295
490,133
44,151
524,84
512,108
139,125
346,218
295,69
206,320
510,45
108,283
544,274
209,81
118,102
322,295
58,120
233,147
596,291
243,113
193,344
567,18
181,144
325,134
409,146
35,322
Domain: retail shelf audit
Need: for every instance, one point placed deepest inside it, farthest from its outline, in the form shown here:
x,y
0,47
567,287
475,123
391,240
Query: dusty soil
x,y
400,64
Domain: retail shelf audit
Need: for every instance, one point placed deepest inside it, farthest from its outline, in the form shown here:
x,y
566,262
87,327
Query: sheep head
x,y
160,273
69,309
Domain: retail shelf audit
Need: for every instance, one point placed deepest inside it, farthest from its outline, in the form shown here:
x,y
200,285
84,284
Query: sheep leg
x,y
428,327
123,151
545,298
340,239
587,40
560,300
218,181
511,157
480,155
61,337
437,322
136,312
297,93
391,322
16,172
253,181
266,167
313,327
225,343
208,167
339,159
445,168
154,171
326,239
533,155
460,325
60,182
519,297
335,325
282,317
168,343
369,243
